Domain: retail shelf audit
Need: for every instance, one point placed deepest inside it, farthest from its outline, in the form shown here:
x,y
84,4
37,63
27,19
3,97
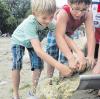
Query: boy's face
x,y
45,19
78,10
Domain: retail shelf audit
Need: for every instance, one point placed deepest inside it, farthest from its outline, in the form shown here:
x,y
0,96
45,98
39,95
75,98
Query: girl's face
x,y
78,10
45,19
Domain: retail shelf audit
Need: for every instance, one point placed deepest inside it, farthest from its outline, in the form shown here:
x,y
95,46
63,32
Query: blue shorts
x,y
18,53
62,58
52,48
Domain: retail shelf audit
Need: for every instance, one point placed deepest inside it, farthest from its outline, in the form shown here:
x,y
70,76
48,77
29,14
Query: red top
x,y
72,24
98,29
98,8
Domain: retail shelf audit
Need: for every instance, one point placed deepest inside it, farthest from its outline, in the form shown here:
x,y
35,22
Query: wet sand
x,y
59,90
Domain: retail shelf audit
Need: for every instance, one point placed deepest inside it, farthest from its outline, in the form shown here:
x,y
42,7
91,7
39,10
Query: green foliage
x,y
11,24
18,8
12,12
4,14
7,21
28,12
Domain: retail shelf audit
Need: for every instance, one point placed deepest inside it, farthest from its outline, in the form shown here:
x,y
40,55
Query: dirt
x,y
65,89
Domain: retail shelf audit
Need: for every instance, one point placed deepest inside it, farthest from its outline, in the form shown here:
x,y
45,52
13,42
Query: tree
x,y
18,8
4,14
12,12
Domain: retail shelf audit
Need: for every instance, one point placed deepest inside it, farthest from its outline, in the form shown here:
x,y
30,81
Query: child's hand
x,y
81,64
90,62
72,62
81,61
66,71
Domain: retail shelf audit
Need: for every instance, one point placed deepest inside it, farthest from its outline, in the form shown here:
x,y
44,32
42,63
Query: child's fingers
x,y
73,69
66,71
90,64
82,67
90,61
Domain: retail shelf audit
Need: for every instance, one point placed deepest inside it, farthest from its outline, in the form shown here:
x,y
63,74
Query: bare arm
x,y
65,43
81,58
73,45
62,19
39,51
90,35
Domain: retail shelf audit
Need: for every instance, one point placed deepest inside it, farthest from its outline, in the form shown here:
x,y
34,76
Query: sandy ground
x,y
59,90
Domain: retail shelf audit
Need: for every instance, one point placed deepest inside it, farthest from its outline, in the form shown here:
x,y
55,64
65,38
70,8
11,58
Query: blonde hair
x,y
43,6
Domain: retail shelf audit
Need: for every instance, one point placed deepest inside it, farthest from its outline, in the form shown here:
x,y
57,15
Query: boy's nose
x,y
47,21
78,13
81,12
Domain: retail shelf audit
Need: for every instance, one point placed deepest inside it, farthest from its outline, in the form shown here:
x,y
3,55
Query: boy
x,y
69,18
29,34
